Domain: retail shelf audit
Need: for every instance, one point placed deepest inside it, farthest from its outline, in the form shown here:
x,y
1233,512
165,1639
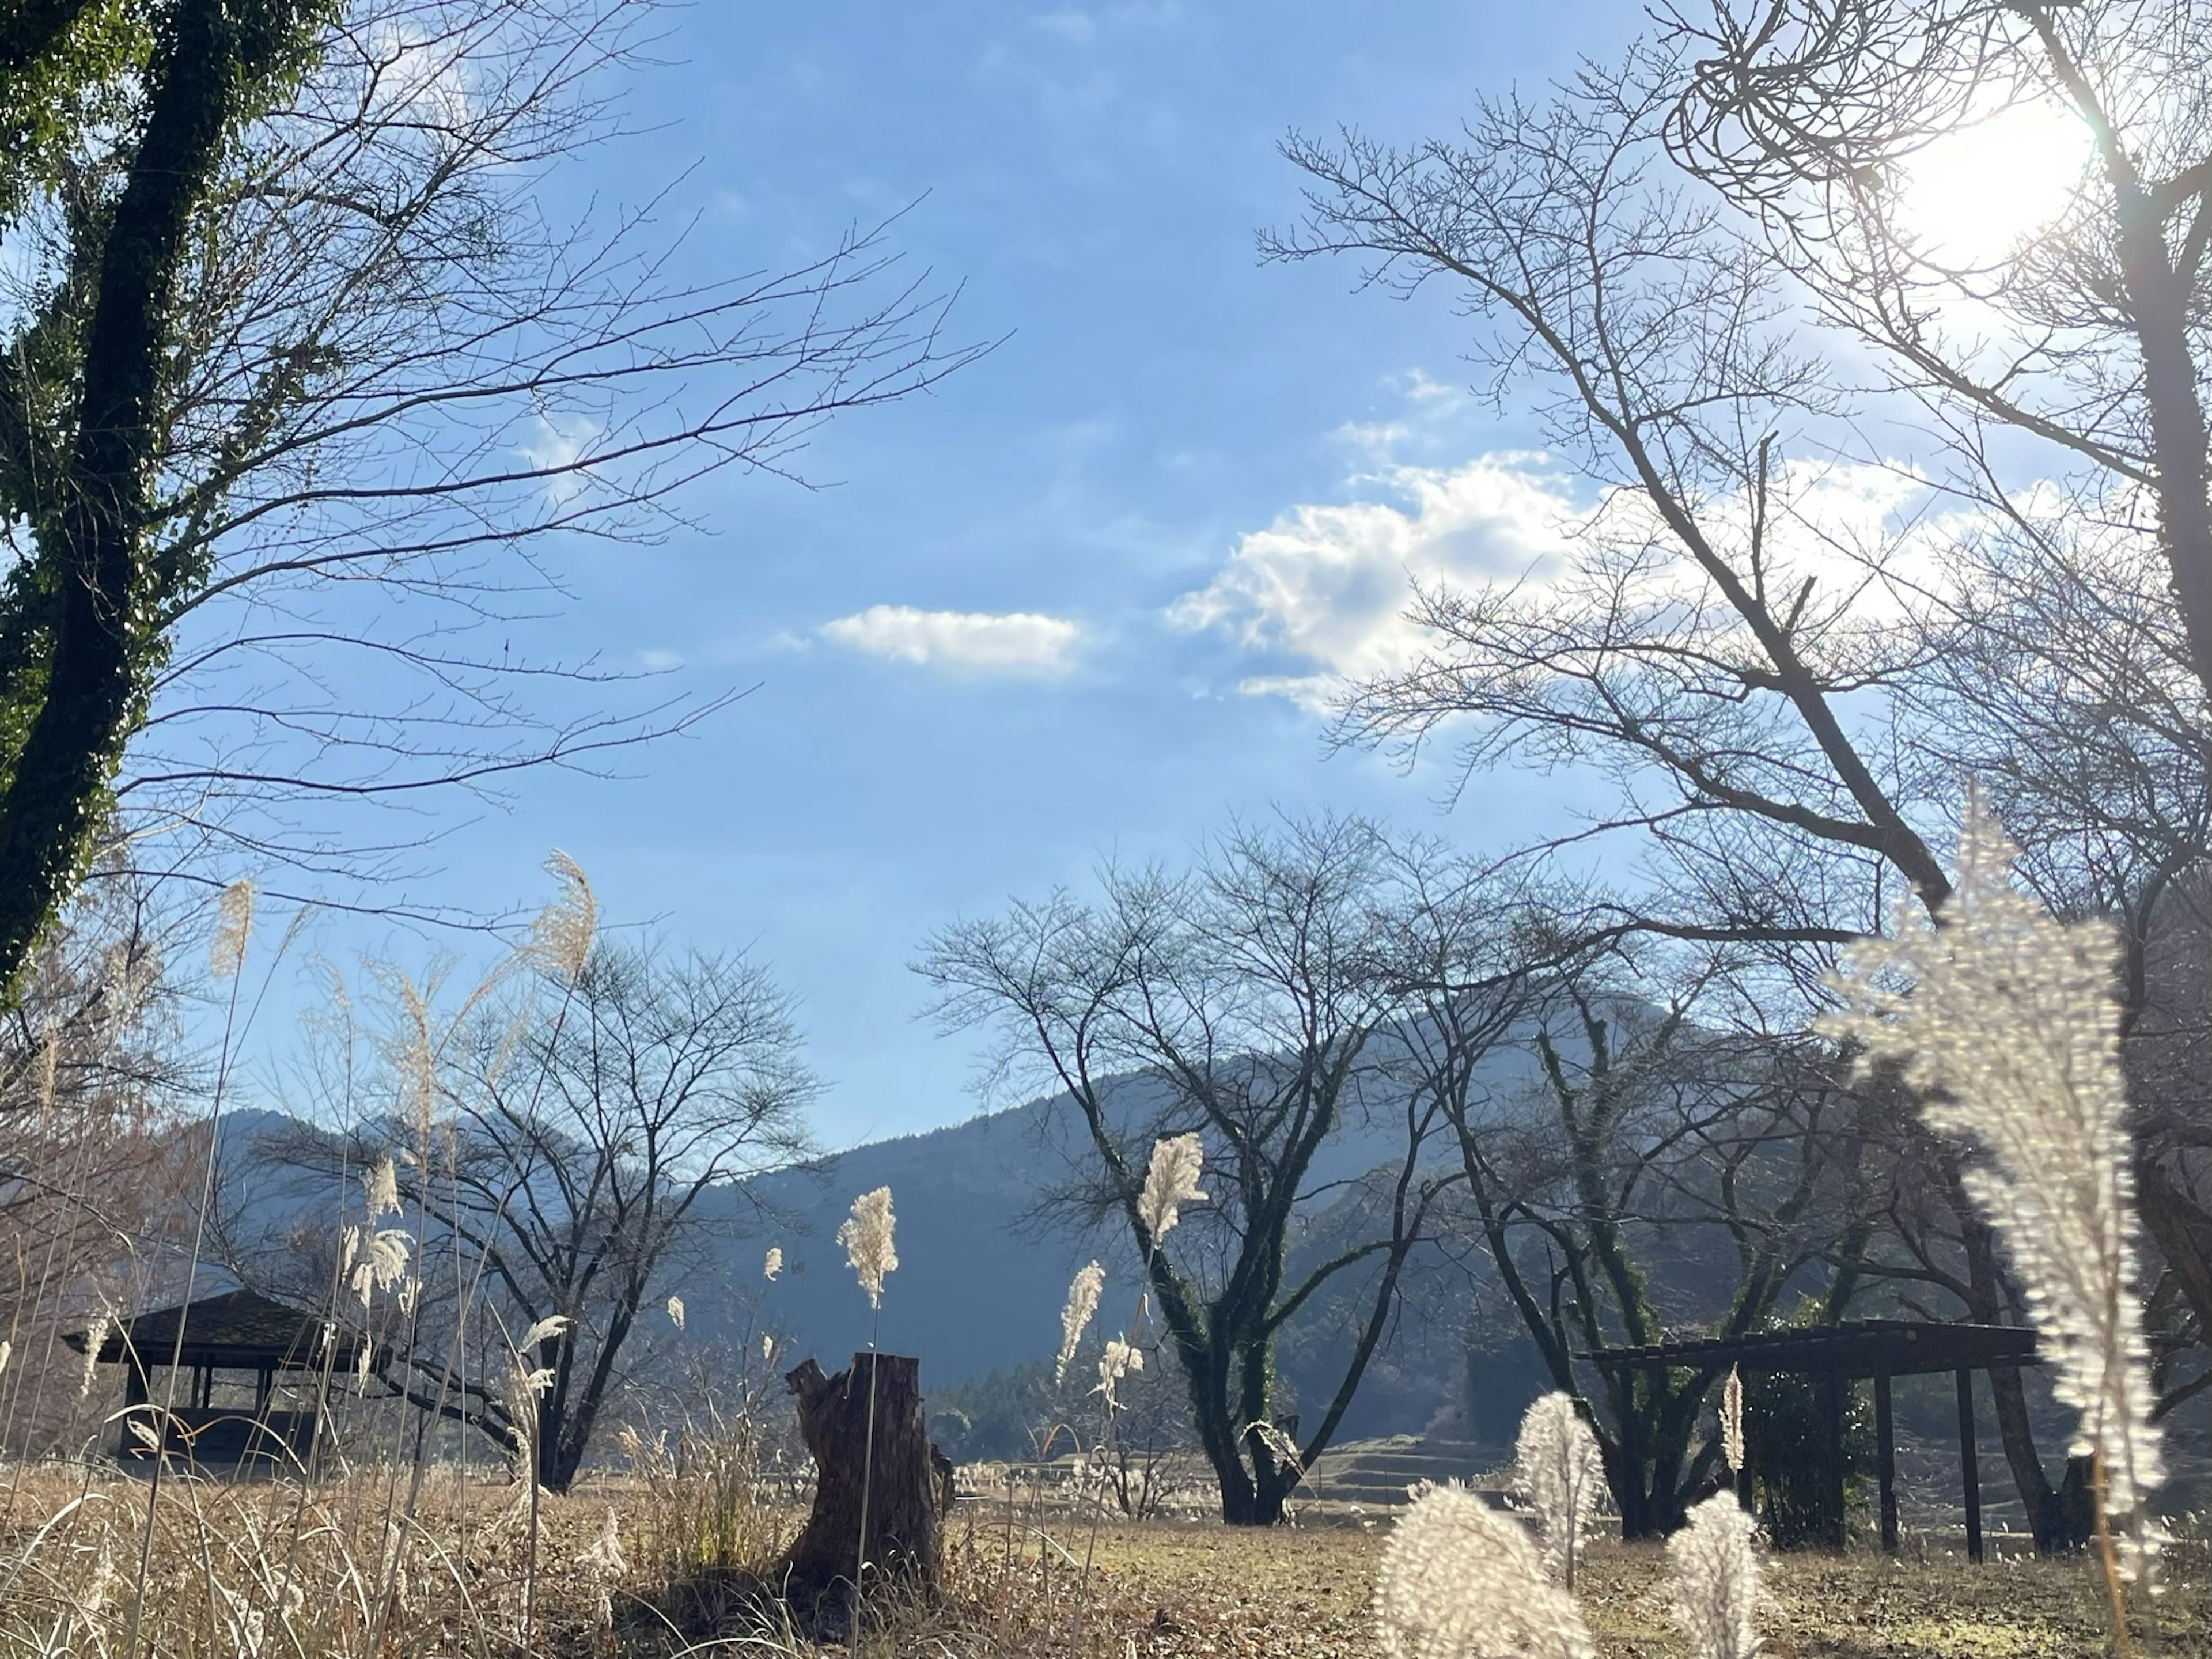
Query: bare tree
x,y
567,1151
1733,1156
2088,338
1733,659
1252,1001
294,337
95,1072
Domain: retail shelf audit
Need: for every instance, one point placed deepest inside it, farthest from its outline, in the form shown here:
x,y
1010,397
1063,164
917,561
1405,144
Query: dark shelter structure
x,y
240,1333
1836,1356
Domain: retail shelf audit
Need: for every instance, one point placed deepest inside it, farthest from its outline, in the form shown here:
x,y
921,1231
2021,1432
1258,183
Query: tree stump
x,y
908,1483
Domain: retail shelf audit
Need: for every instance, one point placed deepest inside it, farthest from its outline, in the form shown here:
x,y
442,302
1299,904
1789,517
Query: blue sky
x,y
1039,615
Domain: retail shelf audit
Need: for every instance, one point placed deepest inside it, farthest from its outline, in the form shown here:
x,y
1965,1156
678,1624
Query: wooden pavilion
x,y
239,1332
1838,1356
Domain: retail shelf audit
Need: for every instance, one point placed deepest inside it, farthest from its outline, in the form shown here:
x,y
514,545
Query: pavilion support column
x,y
1969,1467
1832,1401
1885,1434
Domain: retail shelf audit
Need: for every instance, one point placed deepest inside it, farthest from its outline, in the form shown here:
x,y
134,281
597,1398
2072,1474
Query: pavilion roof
x,y
1862,1347
238,1329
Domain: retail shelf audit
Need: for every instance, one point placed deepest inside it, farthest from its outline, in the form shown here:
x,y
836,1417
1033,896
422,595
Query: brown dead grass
x,y
1165,1591
1162,1591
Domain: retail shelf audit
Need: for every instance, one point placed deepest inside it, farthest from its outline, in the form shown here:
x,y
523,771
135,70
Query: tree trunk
x,y
899,1490
2056,1522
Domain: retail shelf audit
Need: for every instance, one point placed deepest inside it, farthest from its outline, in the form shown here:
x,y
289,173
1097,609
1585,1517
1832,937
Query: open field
x,y
1207,1590
254,1570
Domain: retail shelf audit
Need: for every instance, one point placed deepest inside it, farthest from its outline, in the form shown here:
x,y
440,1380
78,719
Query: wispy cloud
x,y
555,445
984,643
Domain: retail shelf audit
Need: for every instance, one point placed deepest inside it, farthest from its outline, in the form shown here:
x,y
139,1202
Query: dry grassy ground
x,y
253,1570
1188,1591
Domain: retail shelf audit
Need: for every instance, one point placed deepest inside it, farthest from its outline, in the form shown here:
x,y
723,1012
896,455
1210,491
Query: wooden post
x,y
1968,1467
1885,1435
1831,1400
908,1481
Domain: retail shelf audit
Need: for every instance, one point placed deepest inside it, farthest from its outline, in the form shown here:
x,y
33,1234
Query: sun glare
x,y
1970,197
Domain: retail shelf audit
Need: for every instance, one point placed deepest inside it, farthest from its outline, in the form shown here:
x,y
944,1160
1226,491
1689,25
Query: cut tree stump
x,y
908,1485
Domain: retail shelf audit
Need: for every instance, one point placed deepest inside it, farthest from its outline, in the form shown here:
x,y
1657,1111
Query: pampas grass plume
x,y
772,1263
544,1331
381,1188
1170,1183
233,920
1459,1581
1082,1302
561,938
2005,1022
866,1236
1118,1361
1559,1472
1715,1575
93,1339
1732,1421
676,1311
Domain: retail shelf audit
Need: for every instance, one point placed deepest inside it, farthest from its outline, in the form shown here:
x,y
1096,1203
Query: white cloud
x,y
1004,642
1076,28
1330,583
556,443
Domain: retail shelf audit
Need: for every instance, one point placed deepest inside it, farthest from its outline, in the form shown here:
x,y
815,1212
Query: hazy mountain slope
x,y
982,1271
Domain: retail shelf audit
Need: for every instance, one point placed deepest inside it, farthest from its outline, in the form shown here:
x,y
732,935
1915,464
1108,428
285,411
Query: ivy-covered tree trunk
x,y
74,663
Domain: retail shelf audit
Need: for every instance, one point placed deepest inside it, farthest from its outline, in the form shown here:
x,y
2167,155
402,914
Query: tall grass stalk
x,y
866,1235
225,957
559,944
1458,1580
1559,1473
1714,1574
1171,1177
2006,1026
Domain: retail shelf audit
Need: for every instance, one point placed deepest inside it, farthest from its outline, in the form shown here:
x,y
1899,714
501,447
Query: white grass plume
x,y
1459,1581
383,1261
2005,1022
561,938
233,922
1118,1361
1559,1473
1074,1318
93,1339
525,1386
1170,1183
544,1331
1714,1573
675,1312
1732,1421
772,1263
380,1188
866,1236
